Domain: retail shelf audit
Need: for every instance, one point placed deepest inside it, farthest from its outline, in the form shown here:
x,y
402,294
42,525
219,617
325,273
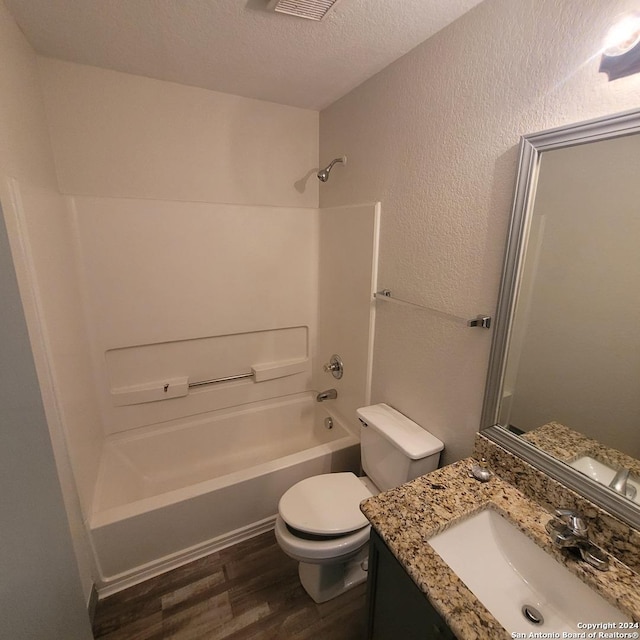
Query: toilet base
x,y
326,581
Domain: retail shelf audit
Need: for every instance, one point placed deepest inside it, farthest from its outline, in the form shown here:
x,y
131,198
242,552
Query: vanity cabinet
x,y
397,609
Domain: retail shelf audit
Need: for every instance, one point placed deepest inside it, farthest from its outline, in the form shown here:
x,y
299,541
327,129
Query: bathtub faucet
x,y
329,394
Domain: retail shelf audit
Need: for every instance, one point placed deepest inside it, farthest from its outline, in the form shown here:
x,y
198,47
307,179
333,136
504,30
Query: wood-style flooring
x,y
249,591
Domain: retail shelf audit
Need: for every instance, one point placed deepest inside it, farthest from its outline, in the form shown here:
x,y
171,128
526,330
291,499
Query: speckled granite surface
x,y
567,445
406,517
609,533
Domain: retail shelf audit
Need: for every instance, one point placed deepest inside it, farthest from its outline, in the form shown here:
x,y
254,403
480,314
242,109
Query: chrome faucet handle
x,y
334,367
574,521
568,530
594,556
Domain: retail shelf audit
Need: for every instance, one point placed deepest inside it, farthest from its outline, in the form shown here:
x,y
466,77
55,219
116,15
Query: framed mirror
x,y
563,390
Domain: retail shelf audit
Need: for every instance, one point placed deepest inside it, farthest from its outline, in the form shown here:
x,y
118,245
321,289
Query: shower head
x,y
323,174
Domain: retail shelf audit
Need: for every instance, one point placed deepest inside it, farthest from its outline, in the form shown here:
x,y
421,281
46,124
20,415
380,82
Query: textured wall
x,y
116,134
434,136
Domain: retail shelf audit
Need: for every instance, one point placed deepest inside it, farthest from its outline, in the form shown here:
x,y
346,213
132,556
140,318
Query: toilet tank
x,y
394,448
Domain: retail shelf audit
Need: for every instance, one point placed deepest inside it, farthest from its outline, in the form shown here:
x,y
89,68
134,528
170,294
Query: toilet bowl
x,y
319,521
319,550
320,525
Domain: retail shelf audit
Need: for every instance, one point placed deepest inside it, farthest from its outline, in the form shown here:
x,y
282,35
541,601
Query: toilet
x,y
319,521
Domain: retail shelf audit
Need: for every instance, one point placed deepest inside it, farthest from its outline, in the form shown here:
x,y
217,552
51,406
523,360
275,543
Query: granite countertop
x,y
406,517
567,445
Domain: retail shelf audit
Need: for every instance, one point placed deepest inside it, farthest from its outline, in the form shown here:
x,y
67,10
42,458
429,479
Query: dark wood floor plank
x,y
197,621
112,615
267,556
193,593
143,628
170,580
277,587
345,601
249,591
349,625
240,624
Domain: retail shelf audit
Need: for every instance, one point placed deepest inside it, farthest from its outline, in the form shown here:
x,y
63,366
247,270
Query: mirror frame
x,y
531,148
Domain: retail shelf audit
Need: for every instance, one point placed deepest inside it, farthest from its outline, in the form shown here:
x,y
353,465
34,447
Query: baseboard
x,y
92,604
152,569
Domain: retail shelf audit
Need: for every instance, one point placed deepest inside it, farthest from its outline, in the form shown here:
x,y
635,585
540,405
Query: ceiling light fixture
x,y
621,51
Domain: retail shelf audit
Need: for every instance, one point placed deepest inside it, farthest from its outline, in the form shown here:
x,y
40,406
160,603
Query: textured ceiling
x,y
236,46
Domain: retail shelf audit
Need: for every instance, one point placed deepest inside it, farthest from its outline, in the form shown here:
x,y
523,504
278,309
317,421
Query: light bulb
x,y
623,36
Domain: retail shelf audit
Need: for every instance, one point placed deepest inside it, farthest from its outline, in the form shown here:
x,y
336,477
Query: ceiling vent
x,y
309,9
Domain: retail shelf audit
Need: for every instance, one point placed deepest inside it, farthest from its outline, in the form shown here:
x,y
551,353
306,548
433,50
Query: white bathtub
x,y
169,494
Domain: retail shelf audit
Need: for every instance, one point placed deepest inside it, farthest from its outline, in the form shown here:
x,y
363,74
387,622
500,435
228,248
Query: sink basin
x,y
602,473
507,572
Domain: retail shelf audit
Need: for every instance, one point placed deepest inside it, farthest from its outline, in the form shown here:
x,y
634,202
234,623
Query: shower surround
x,y
187,245
181,293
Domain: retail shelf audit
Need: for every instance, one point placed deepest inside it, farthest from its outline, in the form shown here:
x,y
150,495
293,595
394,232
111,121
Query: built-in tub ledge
x,y
408,516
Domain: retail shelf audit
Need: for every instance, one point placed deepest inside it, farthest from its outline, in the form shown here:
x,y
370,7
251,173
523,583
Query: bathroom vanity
x,y
547,365
414,593
396,606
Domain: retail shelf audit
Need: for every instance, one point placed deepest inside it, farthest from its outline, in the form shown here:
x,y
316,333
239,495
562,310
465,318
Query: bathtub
x,y
169,494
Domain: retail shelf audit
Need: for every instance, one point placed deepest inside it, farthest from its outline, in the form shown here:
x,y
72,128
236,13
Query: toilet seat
x,y
328,550
325,505
319,522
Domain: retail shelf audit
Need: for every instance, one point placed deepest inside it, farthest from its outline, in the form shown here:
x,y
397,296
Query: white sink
x,y
602,473
507,571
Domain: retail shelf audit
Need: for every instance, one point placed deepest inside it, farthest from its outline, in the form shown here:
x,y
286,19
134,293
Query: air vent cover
x,y
309,9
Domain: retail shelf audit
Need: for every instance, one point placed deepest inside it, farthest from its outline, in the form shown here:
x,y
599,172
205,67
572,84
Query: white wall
x,y
195,214
191,219
38,563
41,594
198,290
116,134
434,137
46,259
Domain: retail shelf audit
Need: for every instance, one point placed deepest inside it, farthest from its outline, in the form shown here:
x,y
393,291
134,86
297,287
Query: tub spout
x,y
329,394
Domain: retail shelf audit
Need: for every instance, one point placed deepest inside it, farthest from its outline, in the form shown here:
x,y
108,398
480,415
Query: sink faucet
x,y
621,485
329,394
569,531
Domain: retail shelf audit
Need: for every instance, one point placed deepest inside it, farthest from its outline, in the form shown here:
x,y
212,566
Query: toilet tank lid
x,y
414,441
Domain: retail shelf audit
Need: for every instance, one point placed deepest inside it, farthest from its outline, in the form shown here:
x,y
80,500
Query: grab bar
x,y
239,376
262,372
179,387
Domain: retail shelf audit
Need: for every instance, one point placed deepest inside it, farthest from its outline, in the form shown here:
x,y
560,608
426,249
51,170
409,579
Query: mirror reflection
x,y
572,377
